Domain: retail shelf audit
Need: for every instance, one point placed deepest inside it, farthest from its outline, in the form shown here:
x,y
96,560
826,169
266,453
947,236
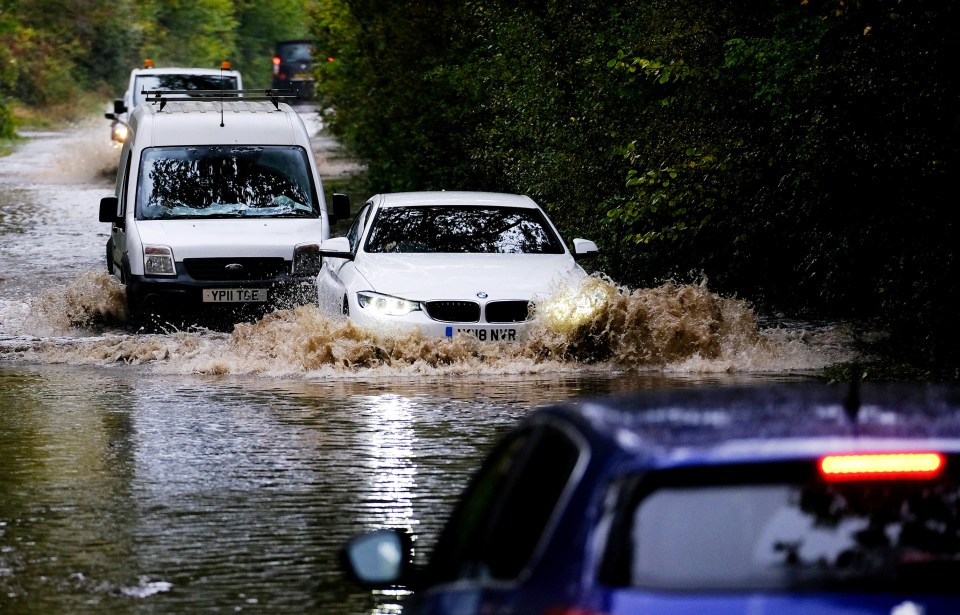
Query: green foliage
x,y
188,32
260,25
801,154
51,51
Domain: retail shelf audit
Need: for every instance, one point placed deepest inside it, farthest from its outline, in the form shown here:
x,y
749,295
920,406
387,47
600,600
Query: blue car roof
x,y
757,423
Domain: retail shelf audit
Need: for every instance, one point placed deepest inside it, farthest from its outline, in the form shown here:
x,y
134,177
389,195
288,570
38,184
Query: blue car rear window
x,y
860,535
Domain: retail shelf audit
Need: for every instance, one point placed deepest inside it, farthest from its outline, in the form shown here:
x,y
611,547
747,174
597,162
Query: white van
x,y
150,78
218,204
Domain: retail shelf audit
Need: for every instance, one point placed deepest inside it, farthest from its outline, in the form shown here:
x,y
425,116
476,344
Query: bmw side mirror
x,y
336,247
341,206
378,559
108,209
584,248
119,106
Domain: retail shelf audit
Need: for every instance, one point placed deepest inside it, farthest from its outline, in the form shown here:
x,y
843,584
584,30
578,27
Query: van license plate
x,y
234,295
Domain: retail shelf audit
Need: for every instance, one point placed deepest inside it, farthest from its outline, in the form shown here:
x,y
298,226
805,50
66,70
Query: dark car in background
x,y
293,67
787,500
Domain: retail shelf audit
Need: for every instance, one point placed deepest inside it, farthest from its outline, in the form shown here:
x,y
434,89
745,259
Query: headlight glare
x,y
385,305
576,304
120,132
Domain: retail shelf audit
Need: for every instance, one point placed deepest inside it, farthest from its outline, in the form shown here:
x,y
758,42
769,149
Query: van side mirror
x,y
341,206
119,106
108,209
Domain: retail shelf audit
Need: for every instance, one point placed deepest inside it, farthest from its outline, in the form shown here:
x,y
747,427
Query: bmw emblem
x,y
482,295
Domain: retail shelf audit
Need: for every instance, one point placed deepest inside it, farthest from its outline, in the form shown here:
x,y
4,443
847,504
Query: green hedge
x,y
800,154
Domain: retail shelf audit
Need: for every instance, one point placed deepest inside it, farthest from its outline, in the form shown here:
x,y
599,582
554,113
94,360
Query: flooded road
x,y
220,471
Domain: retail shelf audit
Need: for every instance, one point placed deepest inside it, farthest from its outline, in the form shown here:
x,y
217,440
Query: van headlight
x,y
120,132
158,260
306,259
385,305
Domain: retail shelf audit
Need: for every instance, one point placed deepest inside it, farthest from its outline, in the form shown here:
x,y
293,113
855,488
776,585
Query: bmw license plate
x,y
234,295
497,334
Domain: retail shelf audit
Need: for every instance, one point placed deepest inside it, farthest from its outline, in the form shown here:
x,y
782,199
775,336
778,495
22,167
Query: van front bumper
x,y
183,293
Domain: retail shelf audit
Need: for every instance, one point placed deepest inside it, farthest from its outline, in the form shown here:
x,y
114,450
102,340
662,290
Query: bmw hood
x,y
222,238
424,277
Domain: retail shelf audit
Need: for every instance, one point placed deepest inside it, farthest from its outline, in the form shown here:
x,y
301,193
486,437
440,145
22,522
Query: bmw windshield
x,y
225,182
458,229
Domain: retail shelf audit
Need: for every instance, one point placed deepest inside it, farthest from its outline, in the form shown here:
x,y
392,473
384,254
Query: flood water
x,y
220,471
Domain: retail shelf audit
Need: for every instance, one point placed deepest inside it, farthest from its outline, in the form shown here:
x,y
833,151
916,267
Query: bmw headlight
x,y
385,305
158,260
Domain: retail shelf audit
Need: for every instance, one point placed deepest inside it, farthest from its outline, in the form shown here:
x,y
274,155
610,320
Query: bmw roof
x,y
458,198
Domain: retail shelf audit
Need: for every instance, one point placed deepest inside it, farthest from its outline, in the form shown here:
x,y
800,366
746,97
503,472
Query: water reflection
x,y
123,491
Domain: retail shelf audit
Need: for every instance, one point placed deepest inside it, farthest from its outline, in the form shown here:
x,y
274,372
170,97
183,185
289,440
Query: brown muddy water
x,y
220,471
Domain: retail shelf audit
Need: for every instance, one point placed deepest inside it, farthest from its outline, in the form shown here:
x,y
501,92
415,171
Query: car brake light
x,y
276,64
881,466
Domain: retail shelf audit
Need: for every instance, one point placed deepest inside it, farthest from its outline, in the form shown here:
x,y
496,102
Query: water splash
x,y
83,154
682,328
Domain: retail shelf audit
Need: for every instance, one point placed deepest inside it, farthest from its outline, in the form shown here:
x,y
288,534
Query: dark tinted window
x,y
225,182
485,230
739,536
356,228
295,52
504,514
180,82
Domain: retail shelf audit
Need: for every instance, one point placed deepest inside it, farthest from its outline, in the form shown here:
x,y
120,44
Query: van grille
x,y
506,311
236,268
453,311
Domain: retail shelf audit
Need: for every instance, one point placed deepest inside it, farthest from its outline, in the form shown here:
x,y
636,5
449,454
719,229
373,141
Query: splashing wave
x,y
673,327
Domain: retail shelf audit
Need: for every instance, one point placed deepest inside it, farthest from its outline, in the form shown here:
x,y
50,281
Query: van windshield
x,y
218,181
180,82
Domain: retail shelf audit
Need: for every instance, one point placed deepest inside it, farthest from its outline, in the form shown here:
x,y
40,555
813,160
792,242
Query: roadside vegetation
x,y
55,53
801,155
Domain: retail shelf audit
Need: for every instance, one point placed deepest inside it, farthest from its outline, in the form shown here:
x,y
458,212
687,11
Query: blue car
x,y
784,500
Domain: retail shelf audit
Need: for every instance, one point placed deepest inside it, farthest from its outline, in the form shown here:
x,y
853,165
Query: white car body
x,y
500,284
150,78
253,247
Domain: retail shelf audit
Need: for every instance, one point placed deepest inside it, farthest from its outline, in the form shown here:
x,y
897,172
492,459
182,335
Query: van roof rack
x,y
274,96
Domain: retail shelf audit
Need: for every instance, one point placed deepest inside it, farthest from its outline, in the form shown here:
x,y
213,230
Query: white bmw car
x,y
448,263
